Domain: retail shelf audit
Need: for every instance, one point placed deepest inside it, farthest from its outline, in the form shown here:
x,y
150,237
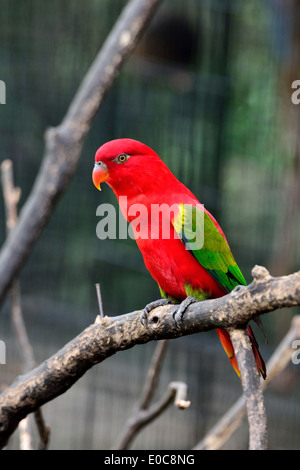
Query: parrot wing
x,y
208,245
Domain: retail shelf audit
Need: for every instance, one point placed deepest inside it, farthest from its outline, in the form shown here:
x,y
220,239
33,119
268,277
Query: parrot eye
x,y
122,158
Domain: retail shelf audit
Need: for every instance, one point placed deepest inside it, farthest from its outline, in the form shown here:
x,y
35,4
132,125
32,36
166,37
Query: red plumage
x,y
148,181
134,170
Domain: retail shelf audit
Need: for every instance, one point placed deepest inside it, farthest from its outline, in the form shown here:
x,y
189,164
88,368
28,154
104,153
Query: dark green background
x,y
208,89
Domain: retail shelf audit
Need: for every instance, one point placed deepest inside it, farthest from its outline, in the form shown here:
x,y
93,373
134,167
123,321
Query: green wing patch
x,y
200,235
197,293
164,295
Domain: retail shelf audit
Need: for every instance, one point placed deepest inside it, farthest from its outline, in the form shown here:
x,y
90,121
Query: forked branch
x,y
104,338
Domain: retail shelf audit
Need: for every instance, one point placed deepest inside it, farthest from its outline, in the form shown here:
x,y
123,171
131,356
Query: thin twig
x,y
25,347
11,196
99,297
181,390
153,373
136,422
25,434
43,429
177,392
228,424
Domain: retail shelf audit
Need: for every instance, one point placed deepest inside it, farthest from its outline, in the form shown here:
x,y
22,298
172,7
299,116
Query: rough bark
x,y
229,423
110,335
257,418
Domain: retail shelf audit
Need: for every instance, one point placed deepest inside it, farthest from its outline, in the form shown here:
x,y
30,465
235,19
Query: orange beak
x,y
100,174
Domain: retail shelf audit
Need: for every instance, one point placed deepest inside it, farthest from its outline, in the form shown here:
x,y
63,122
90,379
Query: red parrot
x,y
186,269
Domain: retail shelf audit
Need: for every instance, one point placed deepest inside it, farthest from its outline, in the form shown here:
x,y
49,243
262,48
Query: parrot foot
x,y
179,311
151,306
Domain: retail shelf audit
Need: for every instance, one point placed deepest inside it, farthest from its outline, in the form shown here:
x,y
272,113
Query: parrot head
x,y
123,162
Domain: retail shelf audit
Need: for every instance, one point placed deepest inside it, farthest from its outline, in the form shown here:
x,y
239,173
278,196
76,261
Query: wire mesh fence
x,y
209,89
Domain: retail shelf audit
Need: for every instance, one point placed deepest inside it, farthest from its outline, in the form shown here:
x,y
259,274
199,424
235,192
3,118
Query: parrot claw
x,y
179,311
151,306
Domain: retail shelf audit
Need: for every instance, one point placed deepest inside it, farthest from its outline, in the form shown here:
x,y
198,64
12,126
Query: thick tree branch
x,y
104,338
64,143
257,417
